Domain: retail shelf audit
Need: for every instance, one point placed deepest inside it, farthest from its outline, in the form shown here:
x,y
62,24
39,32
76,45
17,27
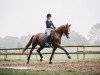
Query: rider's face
x,y
49,18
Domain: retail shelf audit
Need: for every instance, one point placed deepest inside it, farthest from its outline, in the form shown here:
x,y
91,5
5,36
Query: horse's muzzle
x,y
67,37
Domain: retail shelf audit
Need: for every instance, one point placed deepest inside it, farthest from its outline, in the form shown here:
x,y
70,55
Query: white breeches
x,y
48,31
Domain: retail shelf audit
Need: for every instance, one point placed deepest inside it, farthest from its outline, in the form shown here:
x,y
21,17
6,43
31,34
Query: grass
x,y
33,72
97,59
57,59
45,72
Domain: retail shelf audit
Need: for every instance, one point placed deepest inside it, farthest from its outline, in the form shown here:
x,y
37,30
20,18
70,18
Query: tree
x,y
9,42
94,34
14,42
24,40
75,39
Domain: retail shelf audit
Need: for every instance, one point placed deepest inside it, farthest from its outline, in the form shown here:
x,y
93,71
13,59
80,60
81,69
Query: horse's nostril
x,y
68,37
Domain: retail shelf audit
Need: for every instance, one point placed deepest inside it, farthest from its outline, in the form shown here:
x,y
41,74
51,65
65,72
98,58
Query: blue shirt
x,y
49,24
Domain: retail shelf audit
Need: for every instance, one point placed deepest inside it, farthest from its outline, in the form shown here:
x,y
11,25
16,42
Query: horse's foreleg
x,y
59,46
50,62
40,53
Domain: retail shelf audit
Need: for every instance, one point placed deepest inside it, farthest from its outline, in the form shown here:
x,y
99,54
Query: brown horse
x,y
38,39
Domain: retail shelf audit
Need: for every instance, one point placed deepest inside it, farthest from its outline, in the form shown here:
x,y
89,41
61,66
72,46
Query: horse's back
x,y
40,37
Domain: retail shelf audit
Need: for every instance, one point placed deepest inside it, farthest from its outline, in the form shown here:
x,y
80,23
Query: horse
x,y
38,39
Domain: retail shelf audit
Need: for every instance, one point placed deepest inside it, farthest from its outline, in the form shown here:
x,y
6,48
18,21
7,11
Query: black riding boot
x,y
50,40
49,44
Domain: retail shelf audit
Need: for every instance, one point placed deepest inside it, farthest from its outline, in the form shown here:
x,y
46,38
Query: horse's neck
x,y
59,32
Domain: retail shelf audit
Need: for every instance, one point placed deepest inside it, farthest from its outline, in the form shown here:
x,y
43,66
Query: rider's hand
x,y
54,28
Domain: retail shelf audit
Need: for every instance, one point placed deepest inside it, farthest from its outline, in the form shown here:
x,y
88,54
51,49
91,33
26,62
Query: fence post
x,y
83,52
19,54
6,54
77,52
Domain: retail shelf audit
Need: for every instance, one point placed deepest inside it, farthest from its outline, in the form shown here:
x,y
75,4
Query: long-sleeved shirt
x,y
49,24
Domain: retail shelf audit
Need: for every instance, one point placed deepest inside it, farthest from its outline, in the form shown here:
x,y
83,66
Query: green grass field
x,y
32,72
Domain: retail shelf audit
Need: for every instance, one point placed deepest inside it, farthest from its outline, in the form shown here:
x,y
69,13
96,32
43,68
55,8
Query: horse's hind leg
x,y
33,46
40,53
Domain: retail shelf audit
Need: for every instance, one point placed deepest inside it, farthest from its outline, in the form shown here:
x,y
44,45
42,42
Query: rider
x,y
49,27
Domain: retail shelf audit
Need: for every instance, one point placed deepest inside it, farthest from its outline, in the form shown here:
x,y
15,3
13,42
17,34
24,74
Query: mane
x,y
59,30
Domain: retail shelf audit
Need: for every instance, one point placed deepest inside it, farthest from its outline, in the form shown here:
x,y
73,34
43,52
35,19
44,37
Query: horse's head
x,y
66,30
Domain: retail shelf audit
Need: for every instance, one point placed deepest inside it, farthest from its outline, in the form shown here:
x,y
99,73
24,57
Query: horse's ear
x,y
69,25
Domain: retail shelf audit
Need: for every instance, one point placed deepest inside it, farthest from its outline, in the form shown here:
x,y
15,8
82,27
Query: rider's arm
x,y
48,25
53,24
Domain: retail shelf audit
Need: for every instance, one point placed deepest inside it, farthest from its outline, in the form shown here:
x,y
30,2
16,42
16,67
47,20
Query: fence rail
x,y
6,53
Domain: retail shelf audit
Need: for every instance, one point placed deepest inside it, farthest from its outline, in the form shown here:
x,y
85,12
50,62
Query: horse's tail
x,y
29,43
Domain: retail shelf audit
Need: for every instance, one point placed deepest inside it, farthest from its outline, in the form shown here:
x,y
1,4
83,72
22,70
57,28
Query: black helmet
x,y
48,15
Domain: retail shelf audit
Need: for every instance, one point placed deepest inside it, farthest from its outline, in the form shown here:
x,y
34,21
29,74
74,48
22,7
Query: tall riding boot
x,y
50,40
47,42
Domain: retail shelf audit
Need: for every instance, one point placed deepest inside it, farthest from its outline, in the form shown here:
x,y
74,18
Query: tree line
x,y
75,39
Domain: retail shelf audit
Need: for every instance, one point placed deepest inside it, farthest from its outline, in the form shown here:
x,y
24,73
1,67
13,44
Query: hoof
x,y
27,62
69,57
41,60
50,62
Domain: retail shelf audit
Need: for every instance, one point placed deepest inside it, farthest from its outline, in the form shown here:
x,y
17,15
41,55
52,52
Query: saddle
x,y
49,39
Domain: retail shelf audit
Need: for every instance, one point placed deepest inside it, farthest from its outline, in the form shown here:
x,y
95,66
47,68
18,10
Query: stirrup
x,y
47,44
